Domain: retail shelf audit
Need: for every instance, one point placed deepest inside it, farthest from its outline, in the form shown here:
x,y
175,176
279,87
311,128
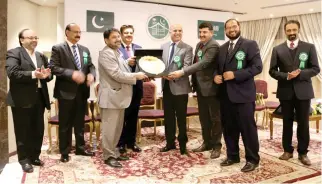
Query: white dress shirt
x,y
32,56
296,43
234,41
72,49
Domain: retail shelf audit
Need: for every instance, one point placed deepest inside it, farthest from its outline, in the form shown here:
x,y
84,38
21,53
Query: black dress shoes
x,y
183,149
122,149
202,148
215,154
85,153
229,162
134,147
64,158
122,158
27,168
112,162
166,148
249,167
37,162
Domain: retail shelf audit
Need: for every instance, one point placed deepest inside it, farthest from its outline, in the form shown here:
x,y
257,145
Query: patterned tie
x,y
78,64
171,53
200,48
128,51
231,47
292,45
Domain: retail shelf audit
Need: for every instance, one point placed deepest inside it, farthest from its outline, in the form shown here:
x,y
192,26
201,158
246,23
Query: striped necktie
x,y
78,64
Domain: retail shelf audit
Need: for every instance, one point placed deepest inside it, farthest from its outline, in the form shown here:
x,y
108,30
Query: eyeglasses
x,y
76,32
31,38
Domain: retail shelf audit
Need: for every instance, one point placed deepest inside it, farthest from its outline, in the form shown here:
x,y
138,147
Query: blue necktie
x,y
171,52
78,64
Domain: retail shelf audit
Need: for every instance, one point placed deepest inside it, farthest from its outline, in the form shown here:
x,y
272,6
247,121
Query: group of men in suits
x,y
222,77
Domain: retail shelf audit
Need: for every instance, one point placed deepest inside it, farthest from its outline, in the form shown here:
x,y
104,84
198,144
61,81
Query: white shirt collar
x,y
234,41
296,43
29,52
70,44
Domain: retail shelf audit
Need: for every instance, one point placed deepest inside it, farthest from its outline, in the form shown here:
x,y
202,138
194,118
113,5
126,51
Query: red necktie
x,y
292,45
128,51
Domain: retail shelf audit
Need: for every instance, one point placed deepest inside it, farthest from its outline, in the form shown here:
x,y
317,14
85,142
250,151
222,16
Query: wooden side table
x,y
271,115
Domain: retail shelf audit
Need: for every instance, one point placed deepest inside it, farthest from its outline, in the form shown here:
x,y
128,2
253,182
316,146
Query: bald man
x,y
176,56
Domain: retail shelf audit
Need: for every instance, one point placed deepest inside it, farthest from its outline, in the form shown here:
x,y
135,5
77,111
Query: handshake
x,y
42,73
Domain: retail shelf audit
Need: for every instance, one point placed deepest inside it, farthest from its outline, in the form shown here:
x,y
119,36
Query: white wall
x,y
43,20
137,14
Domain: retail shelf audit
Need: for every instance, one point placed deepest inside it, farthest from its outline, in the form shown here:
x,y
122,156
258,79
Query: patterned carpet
x,y
151,166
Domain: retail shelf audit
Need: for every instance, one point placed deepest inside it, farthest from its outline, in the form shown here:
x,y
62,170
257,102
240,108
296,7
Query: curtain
x,y
310,31
264,33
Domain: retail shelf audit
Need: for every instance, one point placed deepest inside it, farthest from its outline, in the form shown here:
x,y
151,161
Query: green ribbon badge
x,y
303,57
176,59
85,55
199,54
240,56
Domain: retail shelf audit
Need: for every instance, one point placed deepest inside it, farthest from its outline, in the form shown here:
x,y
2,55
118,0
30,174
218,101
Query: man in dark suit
x,y
28,97
238,62
75,72
293,64
176,55
131,113
202,81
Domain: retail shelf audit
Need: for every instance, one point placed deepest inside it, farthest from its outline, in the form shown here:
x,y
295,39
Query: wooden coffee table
x,y
271,115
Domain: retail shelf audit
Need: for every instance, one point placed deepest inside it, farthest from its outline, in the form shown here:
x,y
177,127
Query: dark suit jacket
x,y
202,71
242,88
22,87
62,64
282,63
138,87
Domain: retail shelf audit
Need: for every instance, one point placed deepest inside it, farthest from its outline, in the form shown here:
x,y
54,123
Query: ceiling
x,y
242,9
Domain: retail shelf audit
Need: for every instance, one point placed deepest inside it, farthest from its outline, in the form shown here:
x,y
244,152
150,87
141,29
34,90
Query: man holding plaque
x,y
238,62
114,95
293,64
176,56
131,113
75,72
202,74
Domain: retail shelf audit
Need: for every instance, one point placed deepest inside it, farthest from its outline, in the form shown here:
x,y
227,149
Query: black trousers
x,y
130,120
209,116
302,109
71,114
175,110
29,129
238,118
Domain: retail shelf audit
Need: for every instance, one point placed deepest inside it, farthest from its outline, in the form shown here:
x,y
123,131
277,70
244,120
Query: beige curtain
x,y
264,32
310,31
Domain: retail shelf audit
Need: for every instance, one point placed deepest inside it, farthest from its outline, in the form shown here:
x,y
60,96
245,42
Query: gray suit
x,y
202,72
175,93
114,96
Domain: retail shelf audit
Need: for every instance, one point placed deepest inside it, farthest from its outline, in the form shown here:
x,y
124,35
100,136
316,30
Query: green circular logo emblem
x,y
85,54
240,55
176,59
199,53
158,27
303,56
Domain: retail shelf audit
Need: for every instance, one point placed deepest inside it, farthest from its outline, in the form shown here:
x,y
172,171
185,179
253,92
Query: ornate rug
x,y
151,166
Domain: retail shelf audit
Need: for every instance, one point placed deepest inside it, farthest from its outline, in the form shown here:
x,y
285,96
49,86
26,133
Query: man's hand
x,y
140,76
218,79
228,75
90,79
167,78
78,77
46,72
131,61
293,74
176,74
